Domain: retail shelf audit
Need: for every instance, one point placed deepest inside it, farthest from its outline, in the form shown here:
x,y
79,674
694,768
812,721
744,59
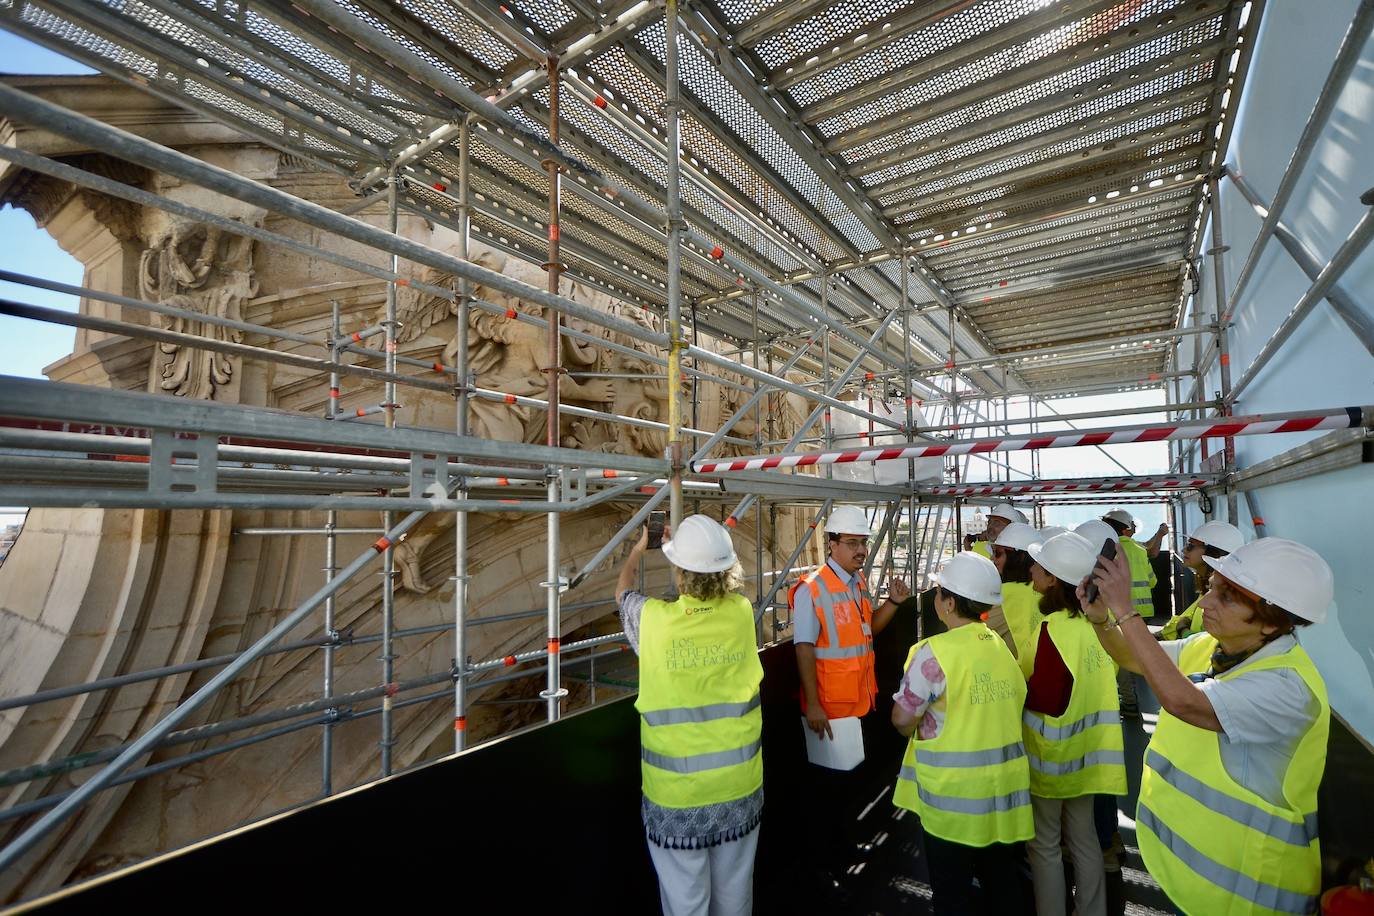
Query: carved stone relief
x,y
199,268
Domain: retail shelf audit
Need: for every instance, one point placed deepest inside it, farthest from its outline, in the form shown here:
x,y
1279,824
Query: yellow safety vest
x,y
1142,577
700,727
1214,846
1185,624
983,547
1079,752
1021,608
970,783
1196,657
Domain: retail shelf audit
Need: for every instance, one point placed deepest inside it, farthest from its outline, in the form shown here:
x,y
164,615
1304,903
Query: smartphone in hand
x,y
656,522
1108,553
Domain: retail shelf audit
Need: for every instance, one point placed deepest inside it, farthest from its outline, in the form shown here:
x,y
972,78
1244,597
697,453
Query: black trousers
x,y
953,867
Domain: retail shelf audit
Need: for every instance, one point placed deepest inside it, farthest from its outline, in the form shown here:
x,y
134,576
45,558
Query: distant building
x,y
8,535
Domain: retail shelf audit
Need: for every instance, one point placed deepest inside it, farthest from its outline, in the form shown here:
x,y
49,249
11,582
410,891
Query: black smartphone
x,y
1108,553
656,522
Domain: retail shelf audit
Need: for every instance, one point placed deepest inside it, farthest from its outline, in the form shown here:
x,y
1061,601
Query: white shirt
x,y
1263,716
806,623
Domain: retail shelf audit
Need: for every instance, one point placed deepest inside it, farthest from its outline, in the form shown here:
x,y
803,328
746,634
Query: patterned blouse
x,y
922,692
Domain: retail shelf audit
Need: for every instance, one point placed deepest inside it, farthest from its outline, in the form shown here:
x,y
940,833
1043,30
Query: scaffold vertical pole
x,y
330,558
910,430
553,693
1006,415
758,444
389,554
696,388
954,407
672,117
1223,318
460,519
1256,517
825,366
772,507
1176,459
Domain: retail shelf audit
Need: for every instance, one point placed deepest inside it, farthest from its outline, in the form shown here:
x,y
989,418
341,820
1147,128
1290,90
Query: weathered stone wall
x,y
91,593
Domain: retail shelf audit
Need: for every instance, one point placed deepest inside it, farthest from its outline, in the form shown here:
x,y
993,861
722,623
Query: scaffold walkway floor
x,y
887,872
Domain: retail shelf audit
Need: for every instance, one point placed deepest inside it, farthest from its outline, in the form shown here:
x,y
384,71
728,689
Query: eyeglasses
x,y
853,543
1194,545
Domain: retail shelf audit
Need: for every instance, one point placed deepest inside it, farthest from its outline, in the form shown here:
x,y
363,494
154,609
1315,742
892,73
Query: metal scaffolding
x,y
805,184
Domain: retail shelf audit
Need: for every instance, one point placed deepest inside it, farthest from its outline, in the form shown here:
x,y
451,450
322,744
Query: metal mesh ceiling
x,y
1043,163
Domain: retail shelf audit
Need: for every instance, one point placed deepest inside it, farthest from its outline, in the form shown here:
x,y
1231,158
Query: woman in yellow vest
x,y
1018,619
1231,826
701,759
999,517
1143,578
1211,539
965,769
1072,727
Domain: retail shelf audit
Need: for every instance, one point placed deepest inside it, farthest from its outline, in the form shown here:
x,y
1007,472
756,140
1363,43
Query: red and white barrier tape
x,y
1297,422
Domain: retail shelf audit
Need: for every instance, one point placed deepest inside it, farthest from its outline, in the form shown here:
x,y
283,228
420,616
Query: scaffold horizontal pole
x,y
1076,485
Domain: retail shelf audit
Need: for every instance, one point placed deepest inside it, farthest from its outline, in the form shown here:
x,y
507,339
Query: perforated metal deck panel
x,y
1042,164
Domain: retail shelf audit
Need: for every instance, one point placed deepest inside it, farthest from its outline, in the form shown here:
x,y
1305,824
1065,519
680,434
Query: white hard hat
x,y
1008,512
1018,536
700,544
1282,572
1122,516
1050,531
1097,532
848,520
1067,556
972,575
1221,535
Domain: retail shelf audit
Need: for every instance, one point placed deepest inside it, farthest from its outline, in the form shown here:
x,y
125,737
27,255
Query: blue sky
x,y
27,346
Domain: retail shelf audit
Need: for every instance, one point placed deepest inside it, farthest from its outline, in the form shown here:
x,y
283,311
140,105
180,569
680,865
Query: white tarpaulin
x,y
852,431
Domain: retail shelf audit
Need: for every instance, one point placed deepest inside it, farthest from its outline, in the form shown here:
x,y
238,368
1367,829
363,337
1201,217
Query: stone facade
x,y
88,593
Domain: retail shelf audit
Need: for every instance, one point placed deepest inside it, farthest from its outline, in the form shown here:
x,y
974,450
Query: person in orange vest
x,y
833,624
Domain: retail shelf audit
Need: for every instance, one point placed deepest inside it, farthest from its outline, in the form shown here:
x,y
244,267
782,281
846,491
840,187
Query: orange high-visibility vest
x,y
845,682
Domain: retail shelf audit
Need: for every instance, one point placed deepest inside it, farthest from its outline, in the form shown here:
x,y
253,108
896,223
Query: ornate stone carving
x,y
118,216
43,196
201,269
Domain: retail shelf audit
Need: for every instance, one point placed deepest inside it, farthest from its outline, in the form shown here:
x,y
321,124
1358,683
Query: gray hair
x,y
709,585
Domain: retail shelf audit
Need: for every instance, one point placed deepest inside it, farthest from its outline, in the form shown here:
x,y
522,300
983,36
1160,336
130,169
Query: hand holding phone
x,y
1108,553
657,521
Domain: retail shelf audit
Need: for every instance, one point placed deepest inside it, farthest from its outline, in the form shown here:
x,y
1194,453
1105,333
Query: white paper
x,y
844,752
